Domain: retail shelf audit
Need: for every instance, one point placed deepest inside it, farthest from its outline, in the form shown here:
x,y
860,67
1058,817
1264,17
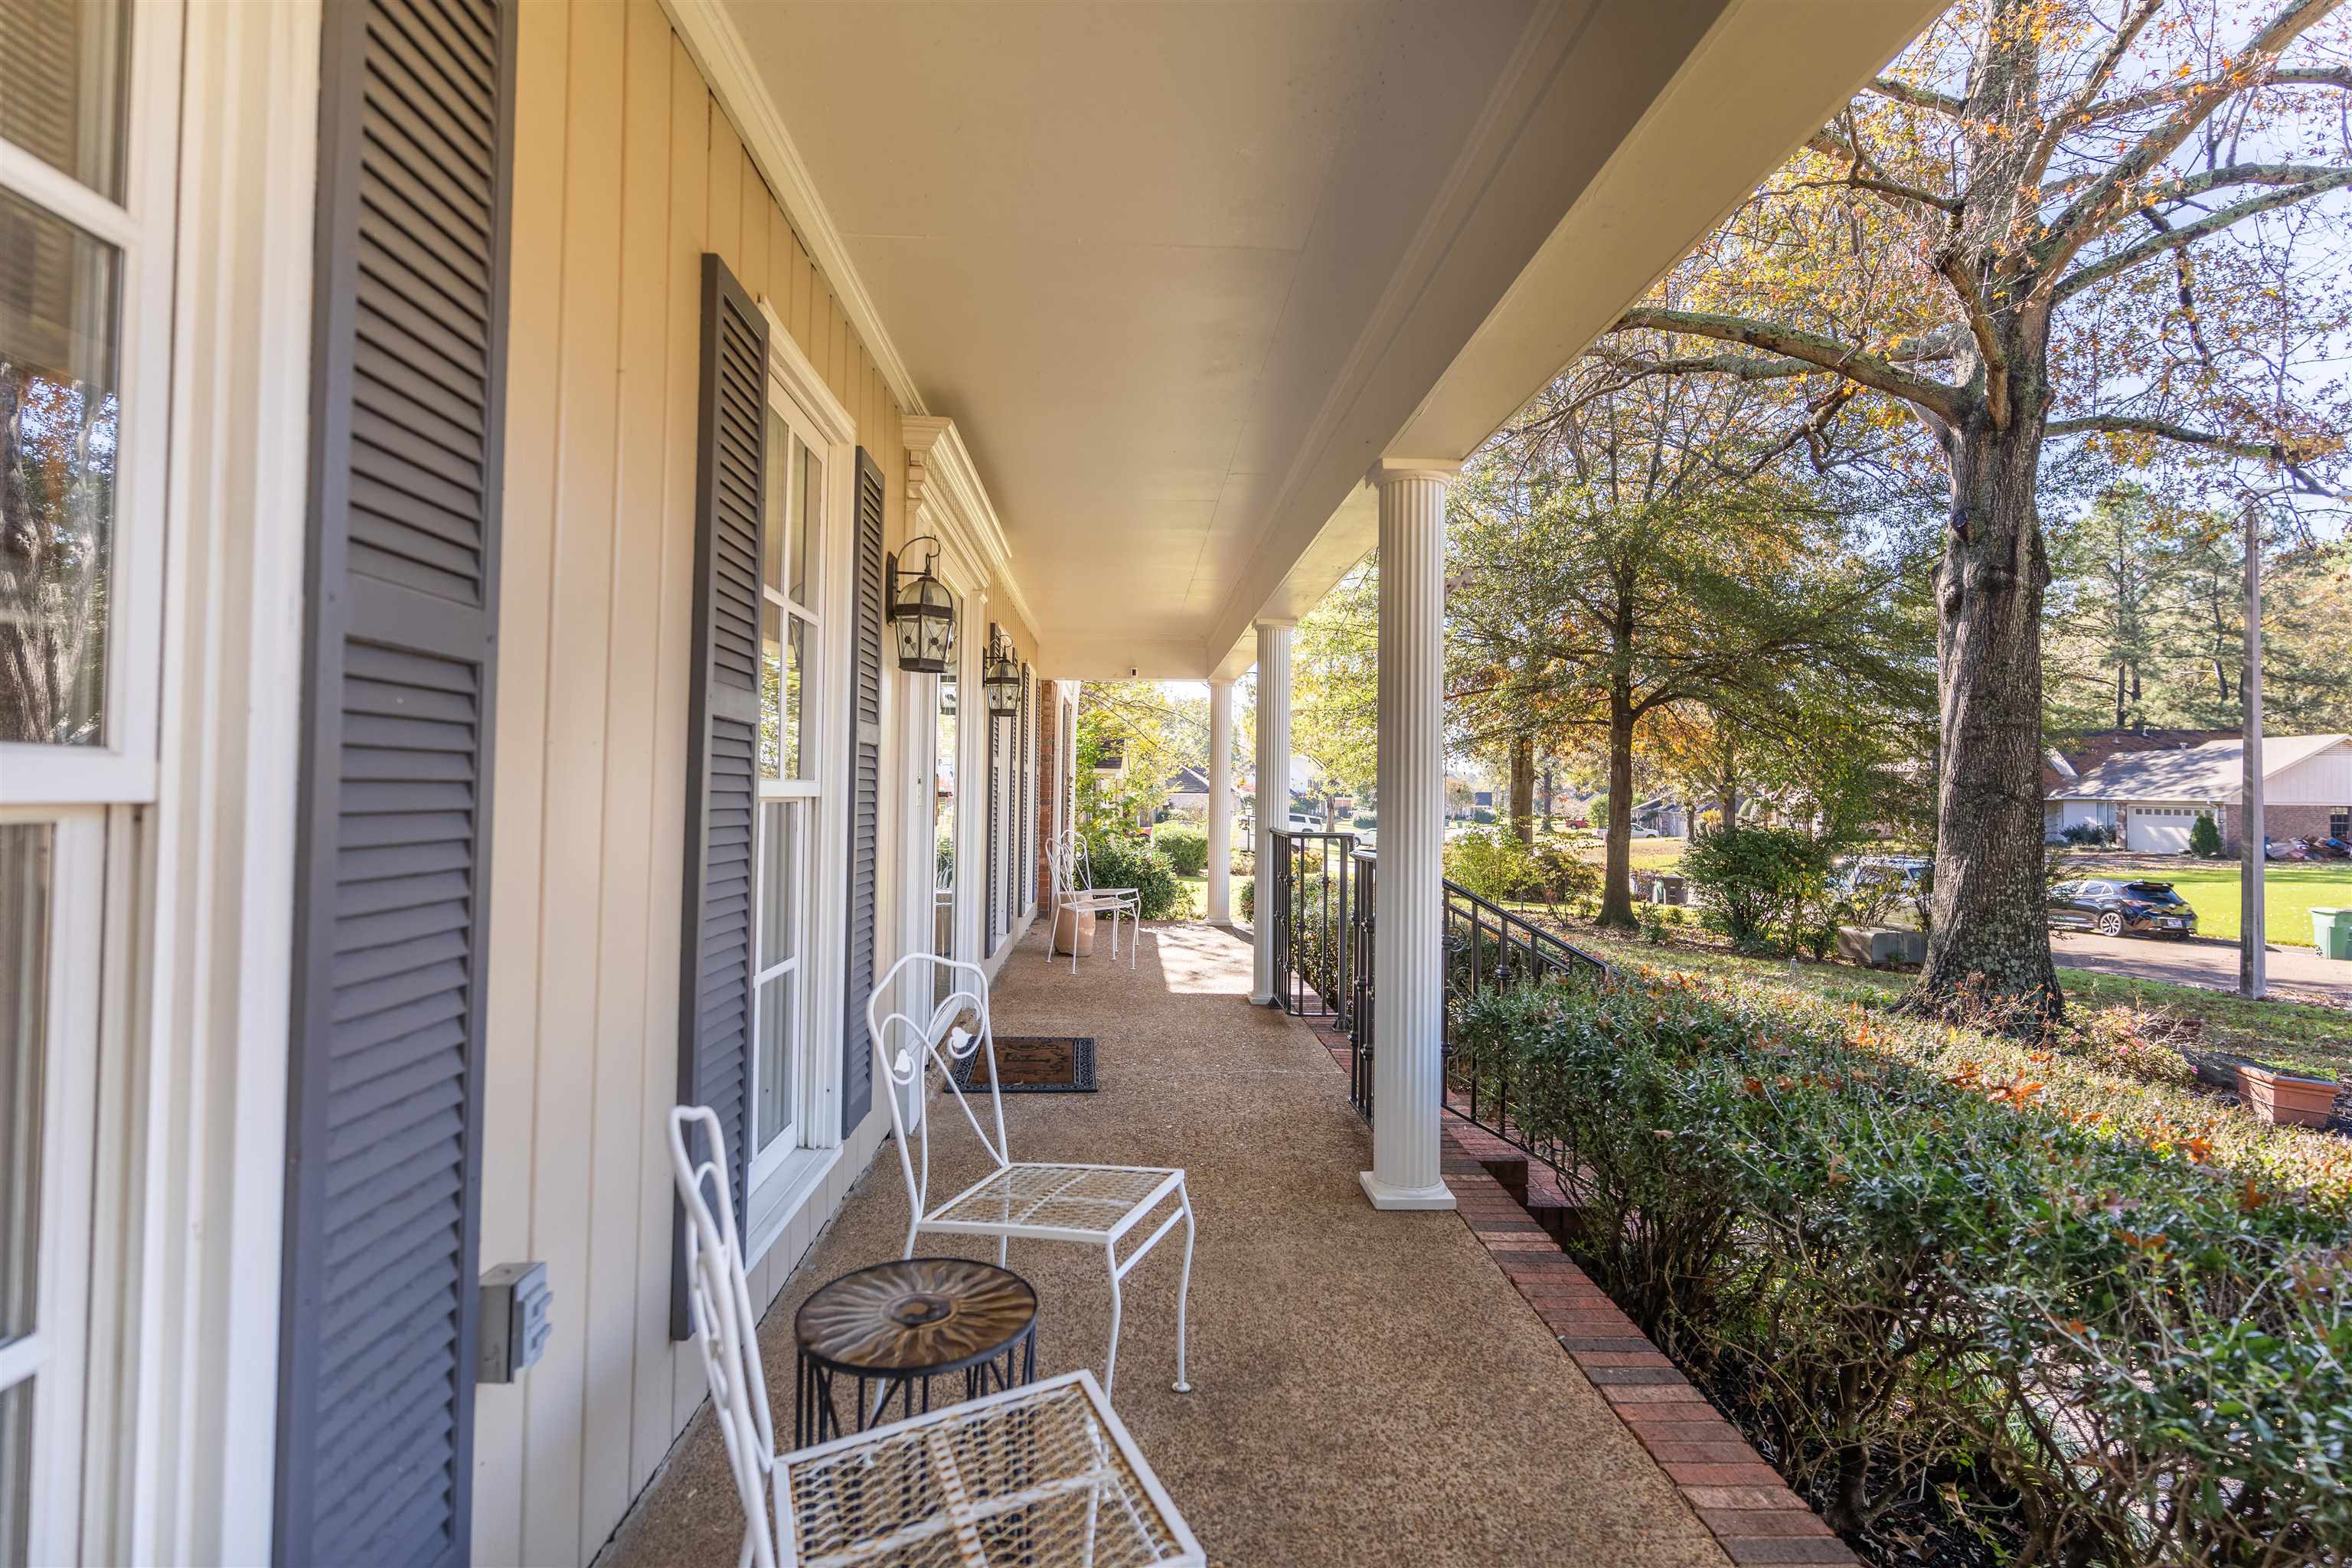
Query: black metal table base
x,y
882,1398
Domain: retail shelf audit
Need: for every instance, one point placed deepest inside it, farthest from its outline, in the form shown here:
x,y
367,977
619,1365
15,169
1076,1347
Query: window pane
x,y
15,1472
798,765
780,468
808,516
779,1058
57,413
24,1038
779,903
63,98
772,692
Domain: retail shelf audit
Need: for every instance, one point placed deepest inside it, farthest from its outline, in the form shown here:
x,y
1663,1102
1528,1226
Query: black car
x,y
2113,907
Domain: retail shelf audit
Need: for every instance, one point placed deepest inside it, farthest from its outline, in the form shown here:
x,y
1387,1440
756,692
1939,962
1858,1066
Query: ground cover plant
x,y
1957,1306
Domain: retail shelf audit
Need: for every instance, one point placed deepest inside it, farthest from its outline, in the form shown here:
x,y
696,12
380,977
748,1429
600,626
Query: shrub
x,y
1479,813
1248,901
1367,822
1499,868
1118,862
1759,878
2090,833
1907,1285
1186,846
2205,836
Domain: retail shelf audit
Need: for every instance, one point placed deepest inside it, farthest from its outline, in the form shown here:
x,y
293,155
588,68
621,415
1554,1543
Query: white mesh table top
x,y
1042,1477
1089,1198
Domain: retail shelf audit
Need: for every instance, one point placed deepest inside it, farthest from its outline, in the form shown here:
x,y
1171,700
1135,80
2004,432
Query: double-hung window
x,y
791,636
89,107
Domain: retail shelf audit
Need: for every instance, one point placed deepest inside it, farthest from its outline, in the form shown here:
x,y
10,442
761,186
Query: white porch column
x,y
1408,1088
1221,802
1273,792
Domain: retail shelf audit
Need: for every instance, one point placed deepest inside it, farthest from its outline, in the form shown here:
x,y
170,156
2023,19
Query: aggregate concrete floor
x,y
1369,1387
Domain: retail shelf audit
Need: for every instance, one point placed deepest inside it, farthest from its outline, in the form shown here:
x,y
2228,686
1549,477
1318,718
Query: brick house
x,y
2153,796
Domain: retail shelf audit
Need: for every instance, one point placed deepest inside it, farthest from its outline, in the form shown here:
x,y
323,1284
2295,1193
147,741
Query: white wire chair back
x,y
726,1330
910,1050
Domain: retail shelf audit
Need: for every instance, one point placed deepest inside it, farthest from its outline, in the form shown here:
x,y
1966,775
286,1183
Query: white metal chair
x,y
726,1334
1074,889
1093,1205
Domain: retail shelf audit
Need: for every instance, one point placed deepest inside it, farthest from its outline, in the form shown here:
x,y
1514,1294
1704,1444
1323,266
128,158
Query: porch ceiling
x,y
1182,272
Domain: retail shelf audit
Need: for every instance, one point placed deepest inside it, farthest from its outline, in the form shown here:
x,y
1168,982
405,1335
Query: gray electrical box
x,y
515,1302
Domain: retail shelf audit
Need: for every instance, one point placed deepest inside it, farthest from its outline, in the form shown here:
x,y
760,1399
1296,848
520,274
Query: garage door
x,y
2160,831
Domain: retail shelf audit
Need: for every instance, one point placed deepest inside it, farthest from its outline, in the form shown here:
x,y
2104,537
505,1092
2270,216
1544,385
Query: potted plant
x,y
2287,1098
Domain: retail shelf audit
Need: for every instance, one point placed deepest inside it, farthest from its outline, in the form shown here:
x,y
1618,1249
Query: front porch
x,y
1371,1386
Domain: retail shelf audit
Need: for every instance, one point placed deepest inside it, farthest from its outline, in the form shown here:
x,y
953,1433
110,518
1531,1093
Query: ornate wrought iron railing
x,y
1323,898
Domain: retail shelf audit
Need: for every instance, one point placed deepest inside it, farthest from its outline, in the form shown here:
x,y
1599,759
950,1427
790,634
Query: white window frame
x,y
786,1173
139,228
55,1353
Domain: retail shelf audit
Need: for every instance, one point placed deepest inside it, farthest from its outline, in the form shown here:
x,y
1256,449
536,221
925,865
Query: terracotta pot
x,y
1067,921
2286,1098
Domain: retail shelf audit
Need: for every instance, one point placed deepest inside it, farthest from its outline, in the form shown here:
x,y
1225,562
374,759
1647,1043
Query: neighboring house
x,y
2061,764
2153,797
486,440
1665,814
1188,790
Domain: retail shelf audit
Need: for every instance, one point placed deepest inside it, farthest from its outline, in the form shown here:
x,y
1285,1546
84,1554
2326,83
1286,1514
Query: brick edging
x,y
1741,1500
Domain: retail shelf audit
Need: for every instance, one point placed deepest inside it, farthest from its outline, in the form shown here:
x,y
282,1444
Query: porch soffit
x,y
1182,273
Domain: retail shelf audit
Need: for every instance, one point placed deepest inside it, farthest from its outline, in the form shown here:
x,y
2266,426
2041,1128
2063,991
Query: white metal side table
x,y
1044,1477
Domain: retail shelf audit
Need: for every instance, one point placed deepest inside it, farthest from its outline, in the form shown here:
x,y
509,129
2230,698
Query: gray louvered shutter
x,y
714,994
383,1158
865,794
990,900
1025,872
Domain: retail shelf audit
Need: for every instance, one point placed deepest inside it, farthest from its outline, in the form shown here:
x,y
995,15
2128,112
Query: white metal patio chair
x,y
726,1334
1074,889
1092,1205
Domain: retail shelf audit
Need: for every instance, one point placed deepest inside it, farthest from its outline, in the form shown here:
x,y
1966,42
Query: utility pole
x,y
2253,979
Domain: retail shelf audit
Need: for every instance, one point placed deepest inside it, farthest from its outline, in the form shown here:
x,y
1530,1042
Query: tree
x,y
2050,220
1618,554
1335,684
2110,570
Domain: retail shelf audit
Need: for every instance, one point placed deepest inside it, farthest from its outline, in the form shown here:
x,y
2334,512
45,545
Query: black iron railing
x,y
1322,895
1308,891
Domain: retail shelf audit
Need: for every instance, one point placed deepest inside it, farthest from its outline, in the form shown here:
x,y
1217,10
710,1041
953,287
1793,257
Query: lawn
x,y
2290,893
2292,1035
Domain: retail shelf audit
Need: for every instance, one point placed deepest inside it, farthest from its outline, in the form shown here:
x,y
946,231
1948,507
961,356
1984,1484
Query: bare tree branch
x,y
1962,276
1923,97
2126,33
2110,193
2132,255
2164,429
1830,145
1872,371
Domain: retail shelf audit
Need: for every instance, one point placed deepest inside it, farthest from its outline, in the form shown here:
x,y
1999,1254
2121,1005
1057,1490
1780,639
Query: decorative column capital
x,y
1275,623
1401,470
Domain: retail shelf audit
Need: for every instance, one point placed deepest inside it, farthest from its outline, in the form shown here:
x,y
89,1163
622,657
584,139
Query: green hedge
x,y
1497,866
1914,1286
1186,846
1125,863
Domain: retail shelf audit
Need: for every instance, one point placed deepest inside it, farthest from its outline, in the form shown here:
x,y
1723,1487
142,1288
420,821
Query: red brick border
x,y
1742,1500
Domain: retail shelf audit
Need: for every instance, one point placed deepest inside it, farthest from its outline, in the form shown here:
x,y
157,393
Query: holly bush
x,y
2094,1347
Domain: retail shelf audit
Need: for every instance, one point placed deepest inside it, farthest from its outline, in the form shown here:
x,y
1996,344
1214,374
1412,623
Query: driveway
x,y
2297,974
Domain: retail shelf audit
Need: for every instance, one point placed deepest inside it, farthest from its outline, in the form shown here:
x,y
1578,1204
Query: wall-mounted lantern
x,y
924,612
1002,681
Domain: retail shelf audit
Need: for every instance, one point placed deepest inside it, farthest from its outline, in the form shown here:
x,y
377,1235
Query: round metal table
x,y
893,1327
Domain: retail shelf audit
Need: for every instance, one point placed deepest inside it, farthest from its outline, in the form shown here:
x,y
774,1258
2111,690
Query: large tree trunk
x,y
1523,788
1617,871
1989,932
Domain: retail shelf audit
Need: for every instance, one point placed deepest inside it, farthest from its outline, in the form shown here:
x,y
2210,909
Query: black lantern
x,y
1003,679
924,612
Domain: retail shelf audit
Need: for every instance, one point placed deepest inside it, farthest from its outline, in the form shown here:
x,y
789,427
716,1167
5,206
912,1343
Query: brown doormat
x,y
1033,1064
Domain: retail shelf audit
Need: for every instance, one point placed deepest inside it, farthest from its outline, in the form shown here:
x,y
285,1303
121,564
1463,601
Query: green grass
x,y
2290,893
2296,1036
1196,897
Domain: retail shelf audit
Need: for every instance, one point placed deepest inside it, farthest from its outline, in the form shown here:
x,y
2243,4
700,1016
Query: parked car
x,y
1302,823
1640,830
2117,908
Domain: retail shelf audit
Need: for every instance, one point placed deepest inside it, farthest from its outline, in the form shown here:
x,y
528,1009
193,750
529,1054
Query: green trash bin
x,y
2331,932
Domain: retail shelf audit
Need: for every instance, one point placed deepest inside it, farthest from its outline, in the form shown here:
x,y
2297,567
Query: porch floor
x,y
1369,1387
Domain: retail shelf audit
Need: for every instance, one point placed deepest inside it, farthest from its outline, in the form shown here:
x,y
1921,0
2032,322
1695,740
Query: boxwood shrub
x,y
1118,862
1186,846
1919,1287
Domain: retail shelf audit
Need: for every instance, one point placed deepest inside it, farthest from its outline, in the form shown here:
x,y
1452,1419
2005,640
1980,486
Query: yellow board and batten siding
x,y
626,170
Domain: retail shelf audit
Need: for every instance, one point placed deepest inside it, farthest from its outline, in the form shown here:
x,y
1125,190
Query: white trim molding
x,y
725,60
946,500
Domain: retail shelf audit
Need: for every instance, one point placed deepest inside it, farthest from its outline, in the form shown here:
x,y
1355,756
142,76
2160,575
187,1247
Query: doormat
x,y
1033,1064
